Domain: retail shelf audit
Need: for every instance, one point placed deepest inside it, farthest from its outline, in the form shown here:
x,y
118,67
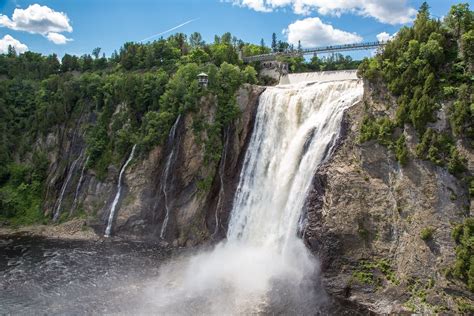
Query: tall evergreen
x,y
274,43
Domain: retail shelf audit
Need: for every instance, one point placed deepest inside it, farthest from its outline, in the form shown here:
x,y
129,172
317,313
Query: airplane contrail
x,y
167,31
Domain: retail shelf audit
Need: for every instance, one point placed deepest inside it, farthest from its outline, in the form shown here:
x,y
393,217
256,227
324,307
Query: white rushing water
x,y
263,266
79,184
64,187
108,230
164,179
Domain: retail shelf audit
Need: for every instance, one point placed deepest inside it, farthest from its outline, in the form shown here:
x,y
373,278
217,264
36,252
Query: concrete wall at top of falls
x,y
318,76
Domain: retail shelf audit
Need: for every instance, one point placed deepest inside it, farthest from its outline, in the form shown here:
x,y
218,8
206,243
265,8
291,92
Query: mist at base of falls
x,y
262,266
236,279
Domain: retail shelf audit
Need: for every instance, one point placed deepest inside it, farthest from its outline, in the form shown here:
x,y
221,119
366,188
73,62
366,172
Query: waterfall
x,y
295,128
263,266
79,184
164,178
108,230
64,187
221,179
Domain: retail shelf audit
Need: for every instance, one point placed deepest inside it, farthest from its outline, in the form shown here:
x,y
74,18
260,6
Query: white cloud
x,y
57,38
384,37
37,19
385,11
8,40
312,32
257,5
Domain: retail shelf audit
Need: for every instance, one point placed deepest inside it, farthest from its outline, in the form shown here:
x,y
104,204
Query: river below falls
x,y
50,276
78,277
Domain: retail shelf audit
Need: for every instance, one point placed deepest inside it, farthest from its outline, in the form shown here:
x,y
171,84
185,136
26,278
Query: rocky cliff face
x,y
176,169
367,215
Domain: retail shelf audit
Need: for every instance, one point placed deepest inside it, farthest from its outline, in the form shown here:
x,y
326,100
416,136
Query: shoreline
x,y
75,229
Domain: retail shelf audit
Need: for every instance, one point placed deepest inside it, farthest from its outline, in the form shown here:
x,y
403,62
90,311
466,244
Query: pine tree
x,y
274,42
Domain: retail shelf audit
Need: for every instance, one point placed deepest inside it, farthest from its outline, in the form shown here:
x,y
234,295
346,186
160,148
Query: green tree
x,y
401,150
69,63
96,52
467,41
460,19
195,40
274,43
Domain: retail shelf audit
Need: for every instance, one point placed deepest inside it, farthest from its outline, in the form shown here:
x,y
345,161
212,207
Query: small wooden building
x,y
203,79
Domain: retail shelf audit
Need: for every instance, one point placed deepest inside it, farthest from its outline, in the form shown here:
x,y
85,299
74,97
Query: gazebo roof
x,y
203,75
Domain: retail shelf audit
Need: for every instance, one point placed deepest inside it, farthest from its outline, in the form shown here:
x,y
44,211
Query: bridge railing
x,y
317,50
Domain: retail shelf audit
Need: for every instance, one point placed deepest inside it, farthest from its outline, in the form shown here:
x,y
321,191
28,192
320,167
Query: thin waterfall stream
x,y
164,182
113,208
263,266
64,187
79,185
221,179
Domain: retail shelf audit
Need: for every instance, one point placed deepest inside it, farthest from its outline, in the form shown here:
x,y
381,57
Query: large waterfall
x,y
263,266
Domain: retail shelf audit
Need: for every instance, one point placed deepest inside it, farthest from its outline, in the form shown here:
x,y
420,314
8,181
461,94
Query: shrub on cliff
x,y
427,233
463,235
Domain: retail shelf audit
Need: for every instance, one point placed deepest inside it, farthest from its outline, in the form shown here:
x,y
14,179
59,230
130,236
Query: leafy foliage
x,y
366,272
463,235
427,233
424,66
21,191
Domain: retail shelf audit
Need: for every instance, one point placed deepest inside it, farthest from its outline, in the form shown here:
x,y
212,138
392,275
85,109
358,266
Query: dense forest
x,y
428,68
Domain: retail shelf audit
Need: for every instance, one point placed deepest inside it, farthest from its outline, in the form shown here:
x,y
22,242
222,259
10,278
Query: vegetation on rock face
x,y
426,67
463,235
21,190
135,96
427,233
370,272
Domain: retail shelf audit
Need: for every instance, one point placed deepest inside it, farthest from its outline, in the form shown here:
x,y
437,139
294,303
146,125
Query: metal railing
x,y
317,50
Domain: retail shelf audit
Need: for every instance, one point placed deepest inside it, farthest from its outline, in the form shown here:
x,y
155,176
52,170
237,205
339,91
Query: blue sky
x,y
78,26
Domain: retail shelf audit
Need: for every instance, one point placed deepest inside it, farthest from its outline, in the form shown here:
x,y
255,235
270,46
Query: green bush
x,y
369,69
21,194
427,233
366,272
380,129
401,150
463,235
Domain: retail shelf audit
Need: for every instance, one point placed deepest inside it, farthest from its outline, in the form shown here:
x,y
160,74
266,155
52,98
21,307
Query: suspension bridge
x,y
314,51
